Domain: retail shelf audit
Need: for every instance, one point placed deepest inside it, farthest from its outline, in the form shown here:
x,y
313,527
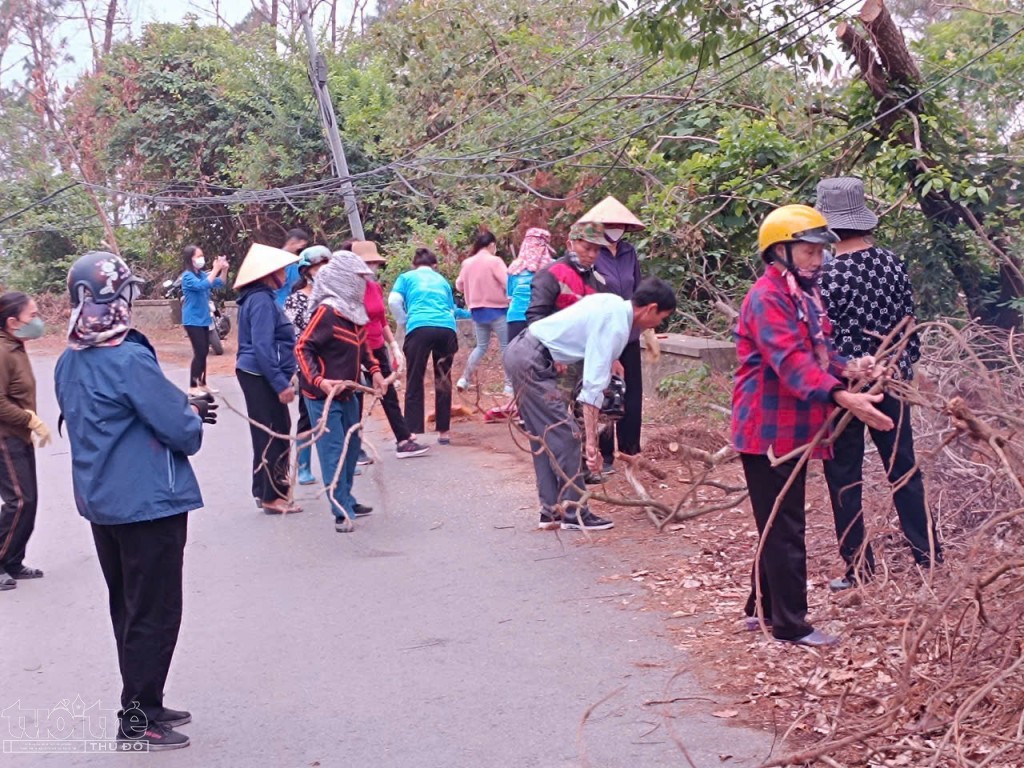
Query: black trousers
x,y
142,565
515,327
441,344
783,568
392,408
20,496
627,430
199,336
270,456
304,424
845,477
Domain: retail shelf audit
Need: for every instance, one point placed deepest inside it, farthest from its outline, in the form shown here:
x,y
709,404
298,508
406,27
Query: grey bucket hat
x,y
841,202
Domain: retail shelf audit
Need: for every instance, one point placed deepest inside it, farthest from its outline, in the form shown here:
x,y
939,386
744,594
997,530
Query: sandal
x,y
6,581
284,508
26,573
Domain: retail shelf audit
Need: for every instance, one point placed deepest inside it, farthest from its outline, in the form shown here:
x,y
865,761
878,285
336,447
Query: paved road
x,y
445,632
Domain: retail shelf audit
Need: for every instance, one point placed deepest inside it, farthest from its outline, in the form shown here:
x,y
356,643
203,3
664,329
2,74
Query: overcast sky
x,y
142,12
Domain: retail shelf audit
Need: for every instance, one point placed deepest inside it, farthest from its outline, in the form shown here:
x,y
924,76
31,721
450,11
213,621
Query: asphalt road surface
x,y
446,632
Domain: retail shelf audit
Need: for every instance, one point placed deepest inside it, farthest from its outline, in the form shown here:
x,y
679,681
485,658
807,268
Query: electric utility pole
x,y
318,77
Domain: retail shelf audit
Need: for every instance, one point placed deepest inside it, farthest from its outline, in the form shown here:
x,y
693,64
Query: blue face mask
x,y
33,329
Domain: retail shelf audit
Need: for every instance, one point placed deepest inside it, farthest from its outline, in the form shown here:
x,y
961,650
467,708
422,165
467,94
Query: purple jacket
x,y
622,272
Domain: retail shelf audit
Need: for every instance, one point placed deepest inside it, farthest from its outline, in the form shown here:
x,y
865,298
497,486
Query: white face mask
x,y
199,262
614,233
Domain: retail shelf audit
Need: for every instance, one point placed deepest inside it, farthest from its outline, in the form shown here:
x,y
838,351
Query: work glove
x,y
206,407
38,426
397,358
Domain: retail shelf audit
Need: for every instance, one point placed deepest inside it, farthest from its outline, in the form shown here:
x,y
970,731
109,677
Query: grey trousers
x,y
554,435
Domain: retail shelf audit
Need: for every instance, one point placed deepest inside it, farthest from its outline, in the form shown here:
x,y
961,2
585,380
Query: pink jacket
x,y
483,280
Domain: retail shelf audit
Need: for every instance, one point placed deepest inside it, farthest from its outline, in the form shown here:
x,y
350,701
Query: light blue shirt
x,y
422,298
595,330
519,286
291,277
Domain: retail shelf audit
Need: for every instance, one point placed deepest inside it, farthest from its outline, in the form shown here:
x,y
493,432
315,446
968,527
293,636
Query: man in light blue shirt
x,y
593,331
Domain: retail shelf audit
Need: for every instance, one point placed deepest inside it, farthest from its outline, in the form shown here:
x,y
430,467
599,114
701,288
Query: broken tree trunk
x,y
891,45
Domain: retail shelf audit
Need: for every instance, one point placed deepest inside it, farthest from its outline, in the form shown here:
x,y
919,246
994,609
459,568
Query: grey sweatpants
x,y
554,434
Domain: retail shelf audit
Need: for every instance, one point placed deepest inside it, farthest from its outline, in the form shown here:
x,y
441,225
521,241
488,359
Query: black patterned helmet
x,y
102,277
612,408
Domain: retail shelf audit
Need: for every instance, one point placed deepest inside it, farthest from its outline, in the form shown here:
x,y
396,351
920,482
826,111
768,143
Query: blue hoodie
x,y
266,337
131,432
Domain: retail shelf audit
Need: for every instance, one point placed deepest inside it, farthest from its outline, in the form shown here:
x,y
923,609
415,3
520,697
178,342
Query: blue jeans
x,y
499,327
329,447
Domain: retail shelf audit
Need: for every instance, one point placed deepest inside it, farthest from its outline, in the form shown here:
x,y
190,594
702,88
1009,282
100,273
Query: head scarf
x,y
534,253
340,285
101,325
810,310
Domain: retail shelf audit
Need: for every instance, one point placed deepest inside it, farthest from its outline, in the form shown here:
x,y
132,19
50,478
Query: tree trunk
x,y
334,25
92,35
863,54
108,27
892,46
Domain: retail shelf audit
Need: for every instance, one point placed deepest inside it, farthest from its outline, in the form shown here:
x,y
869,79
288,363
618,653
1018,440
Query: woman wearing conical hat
x,y
619,265
265,368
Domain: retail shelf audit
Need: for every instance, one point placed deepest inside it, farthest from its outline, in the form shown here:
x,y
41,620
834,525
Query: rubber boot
x,y
305,475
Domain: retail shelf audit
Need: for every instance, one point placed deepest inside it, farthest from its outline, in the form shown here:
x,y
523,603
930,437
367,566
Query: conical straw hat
x,y
611,212
260,261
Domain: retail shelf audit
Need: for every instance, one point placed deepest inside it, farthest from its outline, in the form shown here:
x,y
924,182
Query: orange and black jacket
x,y
333,348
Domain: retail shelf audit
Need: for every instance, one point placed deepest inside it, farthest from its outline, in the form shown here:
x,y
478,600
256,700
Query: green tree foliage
x,y
192,112
458,114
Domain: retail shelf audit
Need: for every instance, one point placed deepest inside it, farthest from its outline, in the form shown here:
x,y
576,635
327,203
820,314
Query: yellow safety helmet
x,y
793,223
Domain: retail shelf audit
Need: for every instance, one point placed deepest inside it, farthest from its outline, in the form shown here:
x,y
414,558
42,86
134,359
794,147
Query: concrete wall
x,y
163,314
680,352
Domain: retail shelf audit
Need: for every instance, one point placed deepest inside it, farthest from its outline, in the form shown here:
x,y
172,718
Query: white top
x,y
595,330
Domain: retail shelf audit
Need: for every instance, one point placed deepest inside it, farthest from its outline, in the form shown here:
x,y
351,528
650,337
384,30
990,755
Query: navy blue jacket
x,y
131,432
621,272
266,337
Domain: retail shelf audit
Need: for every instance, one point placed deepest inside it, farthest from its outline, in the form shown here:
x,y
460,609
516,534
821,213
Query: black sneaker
x,y
608,468
156,738
548,521
592,478
173,718
410,448
364,458
588,522
361,510
343,525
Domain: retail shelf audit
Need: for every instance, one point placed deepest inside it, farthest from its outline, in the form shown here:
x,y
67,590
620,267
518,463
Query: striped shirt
x,y
332,347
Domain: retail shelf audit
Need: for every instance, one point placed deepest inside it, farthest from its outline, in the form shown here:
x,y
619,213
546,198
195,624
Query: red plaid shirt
x,y
780,396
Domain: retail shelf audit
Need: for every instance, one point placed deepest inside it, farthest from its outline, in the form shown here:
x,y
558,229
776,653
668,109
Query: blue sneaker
x,y
305,476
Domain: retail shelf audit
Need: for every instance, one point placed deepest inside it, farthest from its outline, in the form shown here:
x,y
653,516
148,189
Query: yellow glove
x,y
38,426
